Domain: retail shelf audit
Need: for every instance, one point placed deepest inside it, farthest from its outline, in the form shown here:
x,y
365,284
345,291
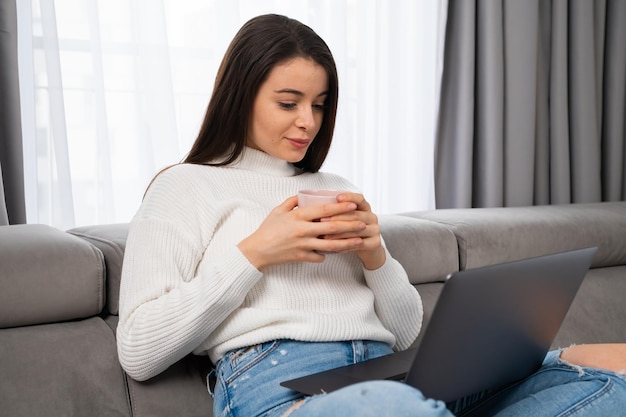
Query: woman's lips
x,y
299,143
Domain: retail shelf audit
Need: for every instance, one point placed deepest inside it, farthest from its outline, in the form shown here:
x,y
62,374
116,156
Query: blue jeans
x,y
248,385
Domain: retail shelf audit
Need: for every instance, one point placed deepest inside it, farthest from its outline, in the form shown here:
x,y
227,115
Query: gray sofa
x,y
59,300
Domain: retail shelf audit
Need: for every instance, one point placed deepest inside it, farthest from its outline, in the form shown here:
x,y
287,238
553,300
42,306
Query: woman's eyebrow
x,y
297,92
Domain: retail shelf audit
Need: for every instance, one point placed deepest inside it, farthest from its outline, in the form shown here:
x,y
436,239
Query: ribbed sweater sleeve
x,y
396,303
167,305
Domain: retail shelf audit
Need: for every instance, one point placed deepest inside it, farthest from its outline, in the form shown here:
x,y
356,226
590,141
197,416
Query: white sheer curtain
x,y
114,90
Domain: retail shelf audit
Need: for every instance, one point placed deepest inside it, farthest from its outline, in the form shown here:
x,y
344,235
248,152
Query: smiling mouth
x,y
299,143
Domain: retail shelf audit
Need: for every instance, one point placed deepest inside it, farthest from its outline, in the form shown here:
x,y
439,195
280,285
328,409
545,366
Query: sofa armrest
x,y
47,276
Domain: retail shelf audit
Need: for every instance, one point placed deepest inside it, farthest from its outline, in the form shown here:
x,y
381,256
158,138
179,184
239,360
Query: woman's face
x,y
289,109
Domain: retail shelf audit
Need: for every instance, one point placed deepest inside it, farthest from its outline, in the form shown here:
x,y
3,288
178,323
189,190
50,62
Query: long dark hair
x,y
261,44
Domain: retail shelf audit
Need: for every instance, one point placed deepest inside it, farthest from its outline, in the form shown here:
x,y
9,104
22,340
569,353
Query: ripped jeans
x,y
248,385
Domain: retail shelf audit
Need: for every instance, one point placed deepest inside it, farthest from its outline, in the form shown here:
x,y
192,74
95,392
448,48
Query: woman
x,y
221,262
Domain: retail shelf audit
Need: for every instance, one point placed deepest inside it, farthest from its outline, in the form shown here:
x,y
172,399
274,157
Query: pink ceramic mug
x,y
315,197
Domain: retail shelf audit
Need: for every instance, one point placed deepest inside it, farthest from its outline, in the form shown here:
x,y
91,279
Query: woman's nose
x,y
306,119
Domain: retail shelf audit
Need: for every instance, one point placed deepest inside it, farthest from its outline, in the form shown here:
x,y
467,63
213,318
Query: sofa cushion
x,y
47,276
180,390
597,314
427,250
111,240
61,369
493,235
429,293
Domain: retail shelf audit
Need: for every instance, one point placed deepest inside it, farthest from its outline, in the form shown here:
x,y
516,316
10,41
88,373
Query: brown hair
x,y
261,44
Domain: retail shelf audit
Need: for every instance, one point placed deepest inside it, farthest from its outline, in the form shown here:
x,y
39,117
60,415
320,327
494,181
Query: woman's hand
x,y
371,251
288,235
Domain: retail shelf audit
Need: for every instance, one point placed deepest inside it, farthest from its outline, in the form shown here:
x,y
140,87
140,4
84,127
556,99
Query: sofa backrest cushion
x,y
62,369
493,235
427,250
111,240
47,275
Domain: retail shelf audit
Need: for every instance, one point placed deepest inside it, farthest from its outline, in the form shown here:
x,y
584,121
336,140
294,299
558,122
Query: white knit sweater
x,y
186,287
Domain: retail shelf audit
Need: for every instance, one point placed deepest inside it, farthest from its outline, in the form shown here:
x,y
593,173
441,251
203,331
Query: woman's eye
x,y
319,107
287,106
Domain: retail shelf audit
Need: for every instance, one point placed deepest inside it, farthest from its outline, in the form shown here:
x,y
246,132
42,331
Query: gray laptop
x,y
491,327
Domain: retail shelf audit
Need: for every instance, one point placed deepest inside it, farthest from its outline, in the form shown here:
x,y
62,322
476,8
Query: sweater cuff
x,y
390,270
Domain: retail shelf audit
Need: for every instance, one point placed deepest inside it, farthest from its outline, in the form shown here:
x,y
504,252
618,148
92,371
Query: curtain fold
x,y
12,206
4,216
532,103
454,148
614,122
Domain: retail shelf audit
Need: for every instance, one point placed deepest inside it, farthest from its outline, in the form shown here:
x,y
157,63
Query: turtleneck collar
x,y
259,161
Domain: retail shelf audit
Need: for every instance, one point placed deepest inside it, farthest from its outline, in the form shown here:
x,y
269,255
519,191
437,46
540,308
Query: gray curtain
x,y
12,206
4,216
532,103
